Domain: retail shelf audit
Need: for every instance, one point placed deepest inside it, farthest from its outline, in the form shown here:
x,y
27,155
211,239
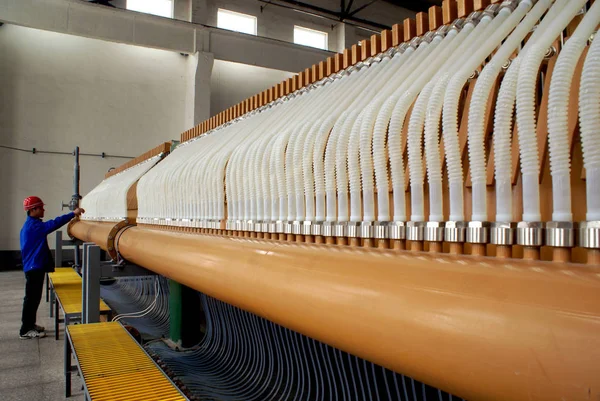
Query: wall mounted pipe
x,y
469,326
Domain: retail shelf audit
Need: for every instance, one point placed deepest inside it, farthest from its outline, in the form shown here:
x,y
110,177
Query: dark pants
x,y
33,294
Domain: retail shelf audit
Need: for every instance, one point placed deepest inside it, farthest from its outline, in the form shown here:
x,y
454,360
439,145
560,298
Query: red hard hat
x,y
32,202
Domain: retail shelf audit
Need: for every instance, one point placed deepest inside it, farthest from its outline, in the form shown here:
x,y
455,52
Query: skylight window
x,y
310,37
236,21
162,8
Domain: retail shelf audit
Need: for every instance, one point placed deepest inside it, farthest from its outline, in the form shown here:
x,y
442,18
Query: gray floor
x,y
30,370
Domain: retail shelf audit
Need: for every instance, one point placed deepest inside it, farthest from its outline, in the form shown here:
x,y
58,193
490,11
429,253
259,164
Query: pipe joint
x,y
434,231
287,227
455,231
397,230
478,232
328,228
530,233
492,10
561,234
415,230
589,234
353,229
366,229
306,228
381,229
296,227
339,229
502,233
316,228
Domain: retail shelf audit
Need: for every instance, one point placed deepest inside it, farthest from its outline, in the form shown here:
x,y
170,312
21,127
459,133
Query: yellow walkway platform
x,y
114,366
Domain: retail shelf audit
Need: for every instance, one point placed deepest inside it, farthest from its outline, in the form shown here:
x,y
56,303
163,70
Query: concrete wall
x,y
232,82
59,91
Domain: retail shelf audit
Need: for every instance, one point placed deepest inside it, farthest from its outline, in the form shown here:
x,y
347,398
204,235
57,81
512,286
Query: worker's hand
x,y
79,211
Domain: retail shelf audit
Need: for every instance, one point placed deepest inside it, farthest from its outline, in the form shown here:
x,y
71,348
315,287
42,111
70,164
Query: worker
x,y
37,260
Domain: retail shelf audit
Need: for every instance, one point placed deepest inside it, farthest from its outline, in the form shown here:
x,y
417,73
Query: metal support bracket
x,y
95,269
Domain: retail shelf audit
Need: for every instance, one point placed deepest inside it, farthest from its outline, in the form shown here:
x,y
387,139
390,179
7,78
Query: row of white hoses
x,y
108,200
479,103
558,104
484,29
526,113
507,21
503,120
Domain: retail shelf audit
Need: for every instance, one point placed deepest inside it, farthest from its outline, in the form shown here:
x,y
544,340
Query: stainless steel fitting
x,y
560,234
306,228
328,228
492,10
530,233
259,226
415,230
434,231
478,232
397,230
250,225
442,30
317,228
296,227
474,17
366,229
381,229
287,227
458,24
339,229
279,226
353,229
272,227
455,231
589,234
502,233
238,225
512,4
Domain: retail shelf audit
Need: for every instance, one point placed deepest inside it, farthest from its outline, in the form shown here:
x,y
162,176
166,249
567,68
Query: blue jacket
x,y
34,245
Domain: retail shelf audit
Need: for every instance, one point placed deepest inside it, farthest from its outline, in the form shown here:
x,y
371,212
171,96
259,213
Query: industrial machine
x,y
426,203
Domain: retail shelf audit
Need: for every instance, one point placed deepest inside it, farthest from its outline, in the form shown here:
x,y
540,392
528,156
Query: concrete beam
x,y
81,18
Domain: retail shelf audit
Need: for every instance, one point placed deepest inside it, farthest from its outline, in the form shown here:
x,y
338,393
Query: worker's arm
x,y
53,225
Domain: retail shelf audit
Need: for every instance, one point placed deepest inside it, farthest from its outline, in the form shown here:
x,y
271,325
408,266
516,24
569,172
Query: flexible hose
x,y
479,100
526,118
500,27
589,117
558,104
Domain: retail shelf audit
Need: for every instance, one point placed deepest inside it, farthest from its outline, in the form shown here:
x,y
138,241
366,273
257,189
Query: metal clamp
x,y
287,227
306,228
434,231
560,234
328,228
339,229
353,229
381,229
455,231
366,229
317,228
478,232
296,227
530,233
415,230
397,230
110,243
502,233
589,234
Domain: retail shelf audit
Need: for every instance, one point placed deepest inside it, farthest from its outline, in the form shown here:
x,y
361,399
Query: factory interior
x,y
315,200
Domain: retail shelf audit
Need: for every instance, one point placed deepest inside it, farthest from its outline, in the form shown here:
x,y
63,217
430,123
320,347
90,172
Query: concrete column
x,y
201,103
182,10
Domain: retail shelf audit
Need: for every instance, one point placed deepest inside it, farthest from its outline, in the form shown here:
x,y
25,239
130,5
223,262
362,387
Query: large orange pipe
x,y
91,231
480,328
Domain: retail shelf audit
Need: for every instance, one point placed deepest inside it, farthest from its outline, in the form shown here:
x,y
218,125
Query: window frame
x,y
248,16
303,28
172,15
